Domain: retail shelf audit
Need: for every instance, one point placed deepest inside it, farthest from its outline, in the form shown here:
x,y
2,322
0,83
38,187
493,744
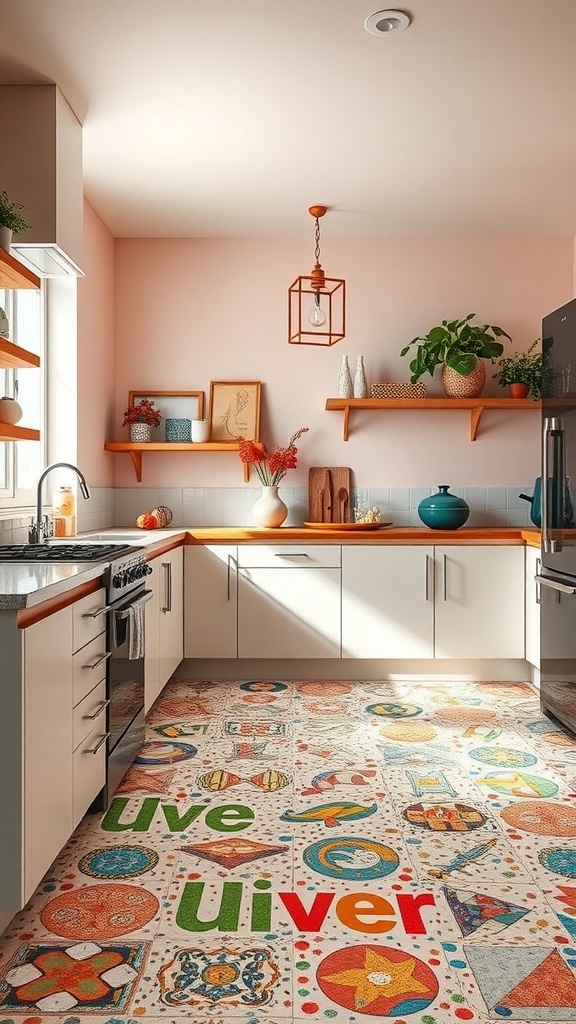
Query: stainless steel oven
x,y
126,597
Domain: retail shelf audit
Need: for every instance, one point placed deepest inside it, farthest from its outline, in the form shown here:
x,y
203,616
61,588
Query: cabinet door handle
x,y
444,584
103,705
168,586
538,571
101,742
231,563
429,567
100,661
547,581
292,554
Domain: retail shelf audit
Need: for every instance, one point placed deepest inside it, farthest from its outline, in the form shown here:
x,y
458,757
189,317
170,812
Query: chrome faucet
x,y
37,531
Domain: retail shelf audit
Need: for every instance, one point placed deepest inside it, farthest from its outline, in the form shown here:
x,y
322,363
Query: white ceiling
x,y
231,117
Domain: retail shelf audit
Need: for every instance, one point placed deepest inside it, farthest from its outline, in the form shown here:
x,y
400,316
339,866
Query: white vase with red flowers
x,y
269,511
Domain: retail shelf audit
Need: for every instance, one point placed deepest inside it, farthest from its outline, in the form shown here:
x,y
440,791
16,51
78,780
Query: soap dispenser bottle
x,y
64,512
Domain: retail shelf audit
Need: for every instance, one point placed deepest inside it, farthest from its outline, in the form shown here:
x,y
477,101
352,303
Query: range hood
x,y
42,169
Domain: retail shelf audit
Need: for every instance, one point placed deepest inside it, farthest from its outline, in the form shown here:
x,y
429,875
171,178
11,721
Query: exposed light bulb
x,y
317,316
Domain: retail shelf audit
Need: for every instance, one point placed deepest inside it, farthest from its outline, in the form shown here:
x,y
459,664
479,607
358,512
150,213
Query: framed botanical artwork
x,y
234,410
177,406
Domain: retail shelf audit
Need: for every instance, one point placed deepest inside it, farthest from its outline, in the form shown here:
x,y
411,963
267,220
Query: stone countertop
x,y
24,584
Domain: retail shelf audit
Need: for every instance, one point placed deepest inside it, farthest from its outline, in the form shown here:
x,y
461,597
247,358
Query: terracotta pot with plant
x,y
521,372
459,347
11,220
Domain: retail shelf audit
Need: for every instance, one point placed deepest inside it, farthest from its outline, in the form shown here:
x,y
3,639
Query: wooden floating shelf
x,y
14,274
476,407
12,432
135,451
14,357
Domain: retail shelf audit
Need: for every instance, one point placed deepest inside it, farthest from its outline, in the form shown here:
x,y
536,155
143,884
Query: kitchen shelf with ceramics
x,y
476,407
135,451
14,274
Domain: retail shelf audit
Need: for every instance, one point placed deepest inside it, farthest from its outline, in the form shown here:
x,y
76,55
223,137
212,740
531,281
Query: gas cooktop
x,y
62,552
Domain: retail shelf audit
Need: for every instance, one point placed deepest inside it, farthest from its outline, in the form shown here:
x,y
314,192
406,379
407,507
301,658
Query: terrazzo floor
x,y
326,851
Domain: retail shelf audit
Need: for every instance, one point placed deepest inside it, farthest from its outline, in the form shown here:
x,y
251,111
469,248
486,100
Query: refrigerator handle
x,y
552,436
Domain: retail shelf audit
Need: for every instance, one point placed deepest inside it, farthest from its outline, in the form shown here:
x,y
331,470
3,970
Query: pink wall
x,y
188,311
96,391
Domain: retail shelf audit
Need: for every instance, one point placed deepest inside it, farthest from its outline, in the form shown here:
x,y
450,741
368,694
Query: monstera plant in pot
x,y
459,347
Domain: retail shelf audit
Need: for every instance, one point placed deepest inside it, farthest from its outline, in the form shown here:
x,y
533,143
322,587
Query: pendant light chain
x,y
317,239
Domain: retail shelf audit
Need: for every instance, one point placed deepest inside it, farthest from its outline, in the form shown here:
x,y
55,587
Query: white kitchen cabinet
x,y
289,601
533,598
479,602
47,796
210,601
387,601
163,623
89,663
421,602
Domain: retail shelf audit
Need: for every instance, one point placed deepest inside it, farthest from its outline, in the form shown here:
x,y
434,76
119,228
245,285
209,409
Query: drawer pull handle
x,y
100,611
95,664
101,742
292,554
103,704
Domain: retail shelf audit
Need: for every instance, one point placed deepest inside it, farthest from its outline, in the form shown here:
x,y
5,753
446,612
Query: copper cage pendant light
x,y
316,304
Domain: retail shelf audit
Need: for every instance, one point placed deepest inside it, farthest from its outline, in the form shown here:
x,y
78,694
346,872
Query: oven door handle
x,y
548,581
142,598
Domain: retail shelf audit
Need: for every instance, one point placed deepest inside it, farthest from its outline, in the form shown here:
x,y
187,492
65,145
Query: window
x,y
21,461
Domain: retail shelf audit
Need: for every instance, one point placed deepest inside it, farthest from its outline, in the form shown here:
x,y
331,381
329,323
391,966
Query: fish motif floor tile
x,y
316,850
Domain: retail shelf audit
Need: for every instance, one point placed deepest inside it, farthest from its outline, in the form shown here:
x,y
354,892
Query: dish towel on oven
x,y
135,630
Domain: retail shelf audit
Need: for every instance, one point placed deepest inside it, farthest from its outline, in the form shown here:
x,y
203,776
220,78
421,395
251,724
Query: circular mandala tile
x,y
560,861
323,688
409,732
504,756
324,707
519,784
99,912
118,862
263,686
394,710
380,981
157,752
466,716
545,818
353,859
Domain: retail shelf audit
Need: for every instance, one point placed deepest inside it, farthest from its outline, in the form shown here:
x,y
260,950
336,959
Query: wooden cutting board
x,y
324,483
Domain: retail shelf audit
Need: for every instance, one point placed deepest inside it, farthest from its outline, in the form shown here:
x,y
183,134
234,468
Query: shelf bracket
x,y
346,419
136,458
475,417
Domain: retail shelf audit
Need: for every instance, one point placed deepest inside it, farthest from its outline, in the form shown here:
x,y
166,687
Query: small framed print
x,y
234,410
174,405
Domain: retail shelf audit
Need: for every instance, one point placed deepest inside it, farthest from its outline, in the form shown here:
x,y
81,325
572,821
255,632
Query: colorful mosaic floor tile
x,y
346,851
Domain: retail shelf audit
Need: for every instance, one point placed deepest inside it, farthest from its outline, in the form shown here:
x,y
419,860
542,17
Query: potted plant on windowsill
x,y
521,373
459,347
11,220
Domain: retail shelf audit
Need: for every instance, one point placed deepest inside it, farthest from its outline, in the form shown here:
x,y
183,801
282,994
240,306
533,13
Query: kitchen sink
x,y
113,537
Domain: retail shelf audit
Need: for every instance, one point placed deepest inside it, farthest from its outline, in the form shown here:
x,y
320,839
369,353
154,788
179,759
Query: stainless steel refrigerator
x,y
557,577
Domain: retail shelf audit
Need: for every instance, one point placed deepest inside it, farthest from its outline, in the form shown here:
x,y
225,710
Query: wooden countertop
x,y
386,535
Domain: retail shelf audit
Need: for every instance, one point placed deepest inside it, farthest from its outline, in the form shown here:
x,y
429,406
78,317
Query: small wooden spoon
x,y
342,499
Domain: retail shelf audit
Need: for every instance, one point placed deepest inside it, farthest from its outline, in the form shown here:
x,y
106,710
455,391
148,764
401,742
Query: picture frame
x,y
234,410
171,404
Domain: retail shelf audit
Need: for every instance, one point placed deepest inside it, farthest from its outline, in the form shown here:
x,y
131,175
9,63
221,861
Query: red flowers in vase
x,y
271,466
143,412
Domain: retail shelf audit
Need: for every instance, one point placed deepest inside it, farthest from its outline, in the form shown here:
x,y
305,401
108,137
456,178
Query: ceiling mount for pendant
x,y
316,303
386,22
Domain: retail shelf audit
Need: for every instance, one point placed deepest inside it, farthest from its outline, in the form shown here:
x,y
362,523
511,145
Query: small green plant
x,y
522,368
10,214
458,344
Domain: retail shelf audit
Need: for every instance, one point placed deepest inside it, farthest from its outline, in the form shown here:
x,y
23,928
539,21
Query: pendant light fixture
x,y
316,304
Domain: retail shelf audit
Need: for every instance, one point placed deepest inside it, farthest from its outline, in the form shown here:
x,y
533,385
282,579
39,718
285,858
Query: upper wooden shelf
x,y
13,357
12,432
14,274
136,451
476,406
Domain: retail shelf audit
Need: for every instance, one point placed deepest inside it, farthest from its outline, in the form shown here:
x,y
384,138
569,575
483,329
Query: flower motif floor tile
x,y
346,851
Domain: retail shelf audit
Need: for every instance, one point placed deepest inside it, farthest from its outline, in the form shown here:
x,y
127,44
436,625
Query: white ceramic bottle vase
x,y
360,385
345,389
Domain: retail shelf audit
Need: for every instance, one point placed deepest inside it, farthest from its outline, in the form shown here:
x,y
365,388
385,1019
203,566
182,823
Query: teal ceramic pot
x,y
443,511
